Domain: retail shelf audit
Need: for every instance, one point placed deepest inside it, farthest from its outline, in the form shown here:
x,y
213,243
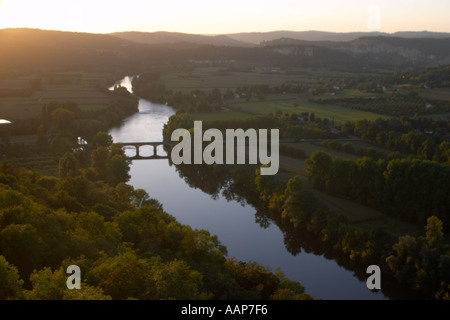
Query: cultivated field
x,y
56,87
220,77
298,103
438,93
223,114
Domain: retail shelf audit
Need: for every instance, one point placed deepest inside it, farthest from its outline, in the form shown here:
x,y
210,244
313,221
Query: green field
x,y
206,78
225,114
296,103
310,148
25,139
20,108
220,77
225,79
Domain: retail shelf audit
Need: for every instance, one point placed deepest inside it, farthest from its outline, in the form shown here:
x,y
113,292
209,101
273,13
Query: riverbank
x,y
231,219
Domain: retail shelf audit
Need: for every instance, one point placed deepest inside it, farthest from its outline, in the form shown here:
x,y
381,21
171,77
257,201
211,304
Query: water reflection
x,y
210,198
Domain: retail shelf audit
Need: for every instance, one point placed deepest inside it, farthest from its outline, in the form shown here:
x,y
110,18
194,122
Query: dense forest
x,y
123,241
421,137
407,188
414,266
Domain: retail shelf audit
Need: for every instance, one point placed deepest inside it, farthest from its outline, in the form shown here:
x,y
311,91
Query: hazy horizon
x,y
219,34
202,17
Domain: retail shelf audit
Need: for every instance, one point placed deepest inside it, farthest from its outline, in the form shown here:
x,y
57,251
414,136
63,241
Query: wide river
x,y
233,223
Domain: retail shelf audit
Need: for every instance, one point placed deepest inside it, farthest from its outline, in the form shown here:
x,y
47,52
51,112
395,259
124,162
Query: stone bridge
x,y
154,145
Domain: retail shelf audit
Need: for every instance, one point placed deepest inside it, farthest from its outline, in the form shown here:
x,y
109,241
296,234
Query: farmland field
x,y
220,77
438,93
224,114
296,103
310,148
20,108
79,87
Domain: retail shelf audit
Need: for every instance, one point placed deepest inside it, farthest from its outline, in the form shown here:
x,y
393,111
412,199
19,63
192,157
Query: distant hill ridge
x,y
163,37
256,38
25,50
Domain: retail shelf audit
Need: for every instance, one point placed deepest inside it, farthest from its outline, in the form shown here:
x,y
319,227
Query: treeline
x,y
348,147
291,151
438,77
392,105
125,244
259,90
185,121
288,129
420,264
421,137
407,189
149,86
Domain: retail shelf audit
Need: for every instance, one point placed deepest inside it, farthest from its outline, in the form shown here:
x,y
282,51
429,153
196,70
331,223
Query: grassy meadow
x,y
298,103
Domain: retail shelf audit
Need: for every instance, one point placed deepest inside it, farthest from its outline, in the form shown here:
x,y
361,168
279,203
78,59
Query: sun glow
x,y
211,17
44,14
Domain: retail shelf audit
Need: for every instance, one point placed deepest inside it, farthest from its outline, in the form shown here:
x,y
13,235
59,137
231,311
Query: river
x,y
232,222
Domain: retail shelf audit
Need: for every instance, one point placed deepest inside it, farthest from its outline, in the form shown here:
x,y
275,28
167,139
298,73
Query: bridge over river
x,y
154,145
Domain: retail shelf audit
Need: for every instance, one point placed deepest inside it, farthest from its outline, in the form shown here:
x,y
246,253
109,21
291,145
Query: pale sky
x,y
231,16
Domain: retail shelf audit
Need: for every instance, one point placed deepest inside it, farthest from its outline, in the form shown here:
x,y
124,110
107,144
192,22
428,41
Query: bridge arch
x,y
153,144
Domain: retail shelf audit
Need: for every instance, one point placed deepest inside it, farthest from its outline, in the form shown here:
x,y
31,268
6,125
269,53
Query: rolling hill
x,y
25,51
177,37
258,37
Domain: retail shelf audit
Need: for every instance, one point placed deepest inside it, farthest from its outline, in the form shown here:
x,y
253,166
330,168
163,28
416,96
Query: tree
x,y
215,96
444,152
10,282
403,262
42,140
60,145
180,120
294,184
175,280
118,169
434,233
63,120
319,165
428,149
47,285
86,293
22,245
100,158
68,165
103,139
